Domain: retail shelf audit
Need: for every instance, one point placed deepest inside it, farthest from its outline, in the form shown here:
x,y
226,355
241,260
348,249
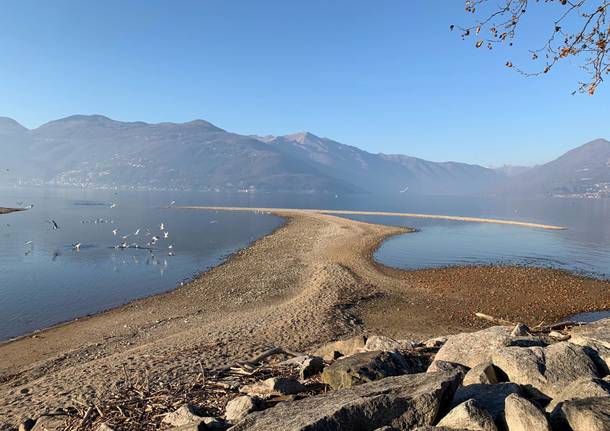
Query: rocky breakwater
x,y
500,378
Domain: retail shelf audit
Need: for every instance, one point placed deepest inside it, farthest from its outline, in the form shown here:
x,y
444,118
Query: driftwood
x,y
249,367
494,319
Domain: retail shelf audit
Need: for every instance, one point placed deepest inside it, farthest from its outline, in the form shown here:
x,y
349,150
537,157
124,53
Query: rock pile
x,y
500,378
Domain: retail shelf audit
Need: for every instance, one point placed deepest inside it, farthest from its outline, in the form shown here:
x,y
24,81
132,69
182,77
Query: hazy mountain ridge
x,y
96,151
581,172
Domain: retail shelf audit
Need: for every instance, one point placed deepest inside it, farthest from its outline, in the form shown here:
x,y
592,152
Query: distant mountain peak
x,y
9,125
302,137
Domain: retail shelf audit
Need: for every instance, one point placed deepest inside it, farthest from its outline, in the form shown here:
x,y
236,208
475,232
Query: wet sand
x,y
310,281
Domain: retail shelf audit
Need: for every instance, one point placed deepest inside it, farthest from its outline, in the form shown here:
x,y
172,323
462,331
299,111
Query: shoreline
x,y
310,281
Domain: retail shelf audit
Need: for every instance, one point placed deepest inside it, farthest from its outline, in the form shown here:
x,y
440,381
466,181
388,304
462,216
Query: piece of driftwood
x,y
494,319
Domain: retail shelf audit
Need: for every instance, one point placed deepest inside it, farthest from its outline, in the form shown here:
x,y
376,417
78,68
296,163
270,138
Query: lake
x,y
44,280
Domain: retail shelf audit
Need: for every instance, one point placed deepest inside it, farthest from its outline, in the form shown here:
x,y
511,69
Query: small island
x,y
9,210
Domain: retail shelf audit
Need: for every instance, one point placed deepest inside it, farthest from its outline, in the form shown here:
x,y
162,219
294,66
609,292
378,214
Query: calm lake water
x,y
46,281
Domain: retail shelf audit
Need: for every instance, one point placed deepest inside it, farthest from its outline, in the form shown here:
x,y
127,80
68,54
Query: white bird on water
x,y
137,232
165,234
162,226
28,242
114,231
76,246
112,205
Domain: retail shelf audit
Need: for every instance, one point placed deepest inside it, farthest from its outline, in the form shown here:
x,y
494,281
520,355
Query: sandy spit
x,y
9,210
311,281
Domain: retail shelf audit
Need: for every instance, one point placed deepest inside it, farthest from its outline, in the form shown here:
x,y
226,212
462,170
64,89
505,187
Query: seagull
x,y
126,236
404,190
137,232
172,203
162,226
29,207
171,253
28,242
112,205
165,234
76,246
114,231
55,225
170,246
154,239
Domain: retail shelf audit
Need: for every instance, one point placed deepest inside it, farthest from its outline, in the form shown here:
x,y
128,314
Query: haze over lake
x,y
49,282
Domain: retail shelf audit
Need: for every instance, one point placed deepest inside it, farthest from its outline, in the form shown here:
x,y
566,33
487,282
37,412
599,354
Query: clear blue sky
x,y
386,76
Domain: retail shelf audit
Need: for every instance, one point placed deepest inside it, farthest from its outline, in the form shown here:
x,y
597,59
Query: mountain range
x,y
96,151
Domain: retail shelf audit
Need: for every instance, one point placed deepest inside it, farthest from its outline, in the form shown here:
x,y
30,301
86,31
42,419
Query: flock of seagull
x,y
153,238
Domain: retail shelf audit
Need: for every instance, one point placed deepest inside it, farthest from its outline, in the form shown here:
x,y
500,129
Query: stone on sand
x,y
274,386
522,415
369,366
470,416
404,402
346,347
238,408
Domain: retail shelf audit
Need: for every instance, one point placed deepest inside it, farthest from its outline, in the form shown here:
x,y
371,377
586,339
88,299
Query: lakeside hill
x,y
583,172
96,151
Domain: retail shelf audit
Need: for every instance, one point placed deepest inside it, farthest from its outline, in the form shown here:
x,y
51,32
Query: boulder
x,y
442,366
472,348
488,397
403,402
547,369
522,415
386,344
470,416
347,347
588,414
274,386
238,408
369,366
50,423
185,415
594,335
484,373
581,388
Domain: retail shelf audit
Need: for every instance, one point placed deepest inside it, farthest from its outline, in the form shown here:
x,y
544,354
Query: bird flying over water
x,y
165,234
112,205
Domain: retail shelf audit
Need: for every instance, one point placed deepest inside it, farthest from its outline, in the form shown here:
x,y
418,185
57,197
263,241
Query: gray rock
x,y
369,366
274,386
342,347
185,415
581,388
470,416
520,330
595,336
588,414
443,366
472,348
522,415
376,343
488,397
484,373
50,423
547,369
404,402
238,408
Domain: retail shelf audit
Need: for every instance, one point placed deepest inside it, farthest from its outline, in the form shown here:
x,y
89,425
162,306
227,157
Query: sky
x,y
383,75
